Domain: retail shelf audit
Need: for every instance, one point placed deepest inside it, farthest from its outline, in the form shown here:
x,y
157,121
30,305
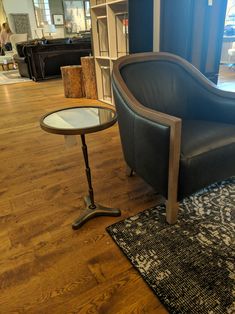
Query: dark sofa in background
x,y
42,59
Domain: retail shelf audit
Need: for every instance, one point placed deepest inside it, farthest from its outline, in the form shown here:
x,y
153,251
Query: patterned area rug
x,y
12,77
190,266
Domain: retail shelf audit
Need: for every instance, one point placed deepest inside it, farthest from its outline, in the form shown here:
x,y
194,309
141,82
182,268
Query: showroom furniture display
x,y
22,63
8,57
82,121
43,58
118,27
73,81
177,128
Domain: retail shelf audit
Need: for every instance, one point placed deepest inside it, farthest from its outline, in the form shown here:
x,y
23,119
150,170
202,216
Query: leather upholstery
x,y
168,84
207,154
22,66
141,140
45,57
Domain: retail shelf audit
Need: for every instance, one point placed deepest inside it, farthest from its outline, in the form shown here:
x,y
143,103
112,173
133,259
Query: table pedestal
x,y
92,209
90,213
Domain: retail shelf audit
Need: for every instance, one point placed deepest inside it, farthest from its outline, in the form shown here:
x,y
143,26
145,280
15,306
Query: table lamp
x,y
49,28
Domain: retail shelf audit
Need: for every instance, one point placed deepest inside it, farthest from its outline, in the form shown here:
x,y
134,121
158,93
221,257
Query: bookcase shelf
x,y
120,27
110,40
96,3
102,30
103,78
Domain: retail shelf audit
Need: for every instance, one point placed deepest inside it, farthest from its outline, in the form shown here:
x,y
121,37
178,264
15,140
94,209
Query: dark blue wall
x,y
140,25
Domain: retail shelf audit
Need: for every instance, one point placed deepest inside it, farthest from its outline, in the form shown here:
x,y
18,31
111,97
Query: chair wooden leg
x,y
129,171
172,209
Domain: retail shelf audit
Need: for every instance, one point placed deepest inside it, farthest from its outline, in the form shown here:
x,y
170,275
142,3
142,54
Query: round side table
x,y
81,121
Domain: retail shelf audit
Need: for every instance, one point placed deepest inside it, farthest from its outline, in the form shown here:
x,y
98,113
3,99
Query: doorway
x,y
226,79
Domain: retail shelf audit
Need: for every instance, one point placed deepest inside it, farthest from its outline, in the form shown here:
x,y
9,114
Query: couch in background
x,y
42,59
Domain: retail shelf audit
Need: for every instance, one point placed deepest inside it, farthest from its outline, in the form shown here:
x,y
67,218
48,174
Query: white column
x,y
156,25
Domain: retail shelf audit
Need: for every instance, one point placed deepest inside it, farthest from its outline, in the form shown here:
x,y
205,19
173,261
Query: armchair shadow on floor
x,y
177,128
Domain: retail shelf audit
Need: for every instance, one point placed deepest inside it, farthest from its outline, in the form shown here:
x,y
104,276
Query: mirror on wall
x,y
77,16
63,17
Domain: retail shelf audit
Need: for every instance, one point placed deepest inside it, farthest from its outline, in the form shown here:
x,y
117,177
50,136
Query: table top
x,y
78,120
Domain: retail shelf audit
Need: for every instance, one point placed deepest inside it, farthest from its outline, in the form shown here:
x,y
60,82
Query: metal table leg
x,y
92,209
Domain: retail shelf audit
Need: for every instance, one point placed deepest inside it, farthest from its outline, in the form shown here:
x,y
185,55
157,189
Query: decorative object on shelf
x,y
89,76
58,19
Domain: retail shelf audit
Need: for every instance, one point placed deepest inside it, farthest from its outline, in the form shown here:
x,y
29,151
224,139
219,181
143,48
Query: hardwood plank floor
x,y
45,266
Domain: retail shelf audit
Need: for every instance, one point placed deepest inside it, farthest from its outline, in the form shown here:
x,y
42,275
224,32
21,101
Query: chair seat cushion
x,y
206,147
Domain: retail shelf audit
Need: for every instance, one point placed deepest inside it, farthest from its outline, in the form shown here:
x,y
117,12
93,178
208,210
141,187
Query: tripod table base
x,y
90,213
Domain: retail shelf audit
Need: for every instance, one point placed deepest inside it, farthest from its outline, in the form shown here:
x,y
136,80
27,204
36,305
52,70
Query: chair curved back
x,y
161,82
157,81
16,38
173,123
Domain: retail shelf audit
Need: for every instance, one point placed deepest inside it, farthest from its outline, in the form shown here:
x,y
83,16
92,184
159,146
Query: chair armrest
x,y
18,59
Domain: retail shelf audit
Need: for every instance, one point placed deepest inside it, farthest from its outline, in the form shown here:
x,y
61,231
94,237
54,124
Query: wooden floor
x,y
45,266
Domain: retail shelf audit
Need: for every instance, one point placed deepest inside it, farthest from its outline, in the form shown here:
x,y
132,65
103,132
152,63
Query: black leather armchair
x,y
177,128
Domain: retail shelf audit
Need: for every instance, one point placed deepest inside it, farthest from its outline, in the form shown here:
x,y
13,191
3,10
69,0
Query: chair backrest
x,y
16,38
162,81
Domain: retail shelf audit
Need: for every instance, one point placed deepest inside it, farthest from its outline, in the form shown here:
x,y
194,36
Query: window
x,y
42,12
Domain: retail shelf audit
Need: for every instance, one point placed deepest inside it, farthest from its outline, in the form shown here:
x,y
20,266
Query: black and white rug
x,y
190,266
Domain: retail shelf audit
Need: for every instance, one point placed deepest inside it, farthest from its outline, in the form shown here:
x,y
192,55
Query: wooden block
x,y
88,69
73,81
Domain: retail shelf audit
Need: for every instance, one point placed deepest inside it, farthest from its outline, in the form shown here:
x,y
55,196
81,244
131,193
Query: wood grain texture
x,y
72,76
89,77
45,266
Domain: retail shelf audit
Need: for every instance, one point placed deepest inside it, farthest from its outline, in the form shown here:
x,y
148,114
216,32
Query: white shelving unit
x,y
110,40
